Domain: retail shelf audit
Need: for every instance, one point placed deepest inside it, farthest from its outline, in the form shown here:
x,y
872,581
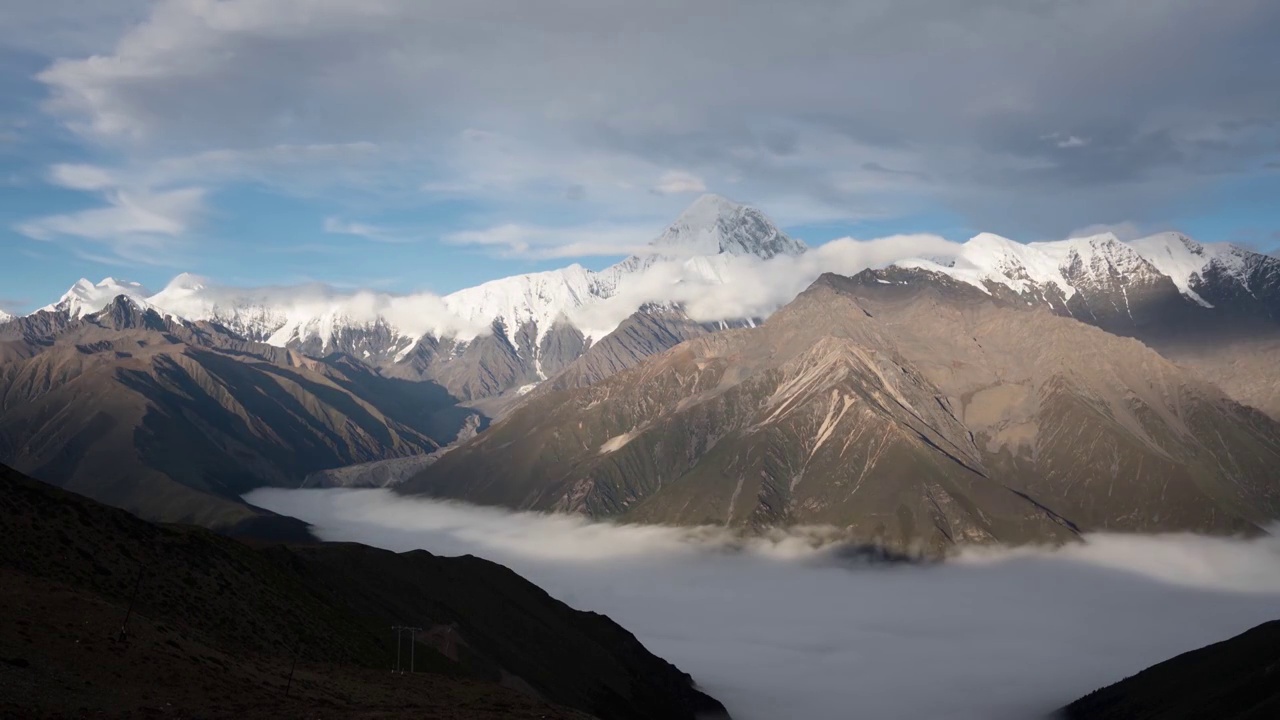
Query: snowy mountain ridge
x,y
713,243
711,226
1097,261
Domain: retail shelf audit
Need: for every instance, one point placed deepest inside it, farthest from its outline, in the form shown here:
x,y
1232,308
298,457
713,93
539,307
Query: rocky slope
x,y
217,624
1213,307
1237,679
908,407
174,420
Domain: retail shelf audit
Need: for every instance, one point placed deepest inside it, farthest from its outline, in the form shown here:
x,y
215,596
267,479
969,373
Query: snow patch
x,y
618,442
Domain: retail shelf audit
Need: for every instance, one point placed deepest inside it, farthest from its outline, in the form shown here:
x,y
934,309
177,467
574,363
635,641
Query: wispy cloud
x,y
376,233
1066,141
678,181
136,224
1122,230
515,240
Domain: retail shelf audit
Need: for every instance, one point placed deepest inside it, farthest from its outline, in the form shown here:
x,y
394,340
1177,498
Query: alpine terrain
x,y
997,391
912,408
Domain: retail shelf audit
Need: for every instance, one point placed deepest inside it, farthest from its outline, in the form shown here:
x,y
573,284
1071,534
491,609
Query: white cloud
x,y
82,177
784,626
137,225
679,181
1066,141
316,309
1123,231
338,226
515,240
728,287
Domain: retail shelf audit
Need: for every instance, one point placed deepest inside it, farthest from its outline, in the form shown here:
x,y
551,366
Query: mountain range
x,y
981,391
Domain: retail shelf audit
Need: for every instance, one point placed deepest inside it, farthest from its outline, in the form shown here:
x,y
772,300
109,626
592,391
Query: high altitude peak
x,y
715,225
186,281
709,208
85,297
1102,239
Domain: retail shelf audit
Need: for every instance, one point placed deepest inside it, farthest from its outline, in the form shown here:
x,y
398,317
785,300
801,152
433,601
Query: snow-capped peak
x,y
714,225
1189,263
1012,263
86,298
1177,256
1095,260
189,282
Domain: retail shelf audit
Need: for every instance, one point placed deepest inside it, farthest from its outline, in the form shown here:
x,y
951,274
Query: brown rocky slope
x,y
907,408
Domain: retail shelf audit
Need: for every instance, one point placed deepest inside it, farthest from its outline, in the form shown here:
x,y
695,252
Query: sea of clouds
x,y
792,626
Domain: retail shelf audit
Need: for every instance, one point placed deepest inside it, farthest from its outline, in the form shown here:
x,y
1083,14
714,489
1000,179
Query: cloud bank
x,y
786,626
1024,118
728,287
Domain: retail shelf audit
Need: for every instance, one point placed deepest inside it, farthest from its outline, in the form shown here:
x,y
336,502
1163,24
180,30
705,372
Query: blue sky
x,y
408,146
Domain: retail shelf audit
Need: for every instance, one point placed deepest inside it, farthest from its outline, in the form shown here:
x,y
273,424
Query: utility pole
x,y
124,626
292,667
413,632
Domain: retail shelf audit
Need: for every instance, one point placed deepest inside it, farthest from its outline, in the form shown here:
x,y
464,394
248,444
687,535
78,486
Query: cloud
x,y
338,226
728,287
679,181
925,85
82,177
786,626
515,240
1066,141
314,308
877,168
136,225
1124,231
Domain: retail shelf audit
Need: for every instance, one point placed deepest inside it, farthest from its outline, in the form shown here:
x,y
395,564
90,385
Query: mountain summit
x,y
714,225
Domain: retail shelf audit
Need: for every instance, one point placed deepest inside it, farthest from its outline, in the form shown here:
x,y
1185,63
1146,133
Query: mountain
x,y
714,225
277,386
1232,680
478,342
1120,286
214,627
86,298
1214,308
174,420
914,410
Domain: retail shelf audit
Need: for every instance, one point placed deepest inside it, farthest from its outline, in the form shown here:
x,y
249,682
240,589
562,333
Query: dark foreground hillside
x,y
217,623
1238,679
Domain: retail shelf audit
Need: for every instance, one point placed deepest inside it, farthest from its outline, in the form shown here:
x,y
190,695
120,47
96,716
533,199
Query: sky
x,y
415,145
784,627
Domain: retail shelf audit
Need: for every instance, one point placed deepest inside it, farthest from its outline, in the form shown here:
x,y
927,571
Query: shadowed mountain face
x,y
174,420
1237,679
1213,308
912,409
218,622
